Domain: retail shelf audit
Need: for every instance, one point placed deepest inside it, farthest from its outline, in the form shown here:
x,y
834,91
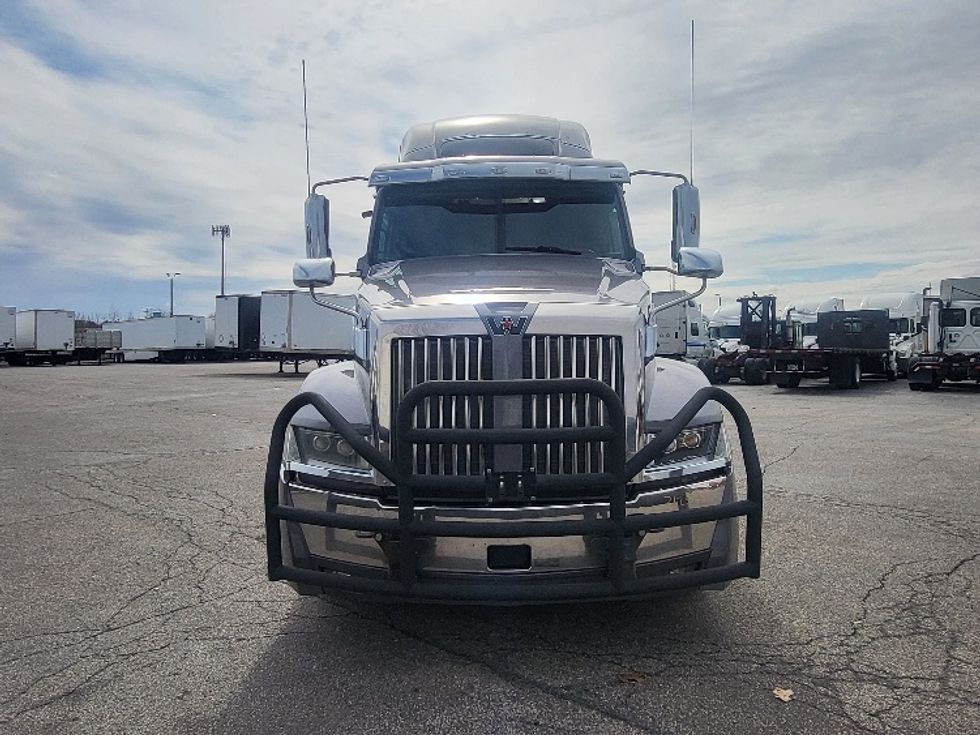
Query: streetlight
x,y
224,231
172,276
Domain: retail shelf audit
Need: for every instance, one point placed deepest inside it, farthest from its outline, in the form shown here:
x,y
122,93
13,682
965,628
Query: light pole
x,y
172,276
224,231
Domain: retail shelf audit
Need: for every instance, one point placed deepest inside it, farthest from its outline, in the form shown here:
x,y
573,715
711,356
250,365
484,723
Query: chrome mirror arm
x,y
682,299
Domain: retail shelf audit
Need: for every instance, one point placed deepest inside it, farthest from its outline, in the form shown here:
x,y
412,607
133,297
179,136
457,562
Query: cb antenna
x,y
692,104
306,131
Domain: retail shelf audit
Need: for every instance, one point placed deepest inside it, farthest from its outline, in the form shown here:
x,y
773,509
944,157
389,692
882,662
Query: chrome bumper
x,y
371,554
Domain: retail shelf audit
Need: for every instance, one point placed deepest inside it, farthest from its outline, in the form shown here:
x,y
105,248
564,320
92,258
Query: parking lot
x,y
134,599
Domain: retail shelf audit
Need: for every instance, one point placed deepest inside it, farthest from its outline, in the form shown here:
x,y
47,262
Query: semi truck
x,y
850,345
806,313
952,351
504,431
724,328
682,331
905,311
846,346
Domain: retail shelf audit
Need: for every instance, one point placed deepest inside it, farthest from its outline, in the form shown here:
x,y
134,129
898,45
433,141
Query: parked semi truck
x,y
807,313
504,431
682,330
905,311
952,350
724,328
847,346
851,345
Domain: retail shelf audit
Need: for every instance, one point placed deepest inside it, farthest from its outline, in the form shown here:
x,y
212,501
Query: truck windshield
x,y
728,331
500,216
899,326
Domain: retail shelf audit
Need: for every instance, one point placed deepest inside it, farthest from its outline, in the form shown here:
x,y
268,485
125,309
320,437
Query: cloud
x,y
835,144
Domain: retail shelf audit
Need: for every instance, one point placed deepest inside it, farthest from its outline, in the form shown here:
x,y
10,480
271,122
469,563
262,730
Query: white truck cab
x,y
682,330
806,313
952,351
905,315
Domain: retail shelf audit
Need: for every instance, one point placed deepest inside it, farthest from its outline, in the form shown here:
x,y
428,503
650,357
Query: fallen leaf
x,y
783,695
633,677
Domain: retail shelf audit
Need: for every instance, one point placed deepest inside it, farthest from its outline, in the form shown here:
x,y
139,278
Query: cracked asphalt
x,y
133,596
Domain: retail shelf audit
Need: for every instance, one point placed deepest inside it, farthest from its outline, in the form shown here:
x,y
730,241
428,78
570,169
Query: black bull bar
x,y
618,471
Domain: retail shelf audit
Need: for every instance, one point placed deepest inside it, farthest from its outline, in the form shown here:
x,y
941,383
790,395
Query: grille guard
x,y
406,528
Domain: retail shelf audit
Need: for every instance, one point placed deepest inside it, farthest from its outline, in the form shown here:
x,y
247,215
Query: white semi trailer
x,y
952,351
237,324
166,338
8,327
294,328
42,336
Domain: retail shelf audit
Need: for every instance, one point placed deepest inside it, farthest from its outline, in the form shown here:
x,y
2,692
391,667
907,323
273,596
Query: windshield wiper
x,y
543,249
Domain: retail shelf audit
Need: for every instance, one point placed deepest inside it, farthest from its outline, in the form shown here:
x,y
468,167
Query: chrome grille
x,y
415,360
569,356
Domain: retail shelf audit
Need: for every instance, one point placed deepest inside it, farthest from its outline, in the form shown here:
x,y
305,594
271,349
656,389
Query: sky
x,y
835,143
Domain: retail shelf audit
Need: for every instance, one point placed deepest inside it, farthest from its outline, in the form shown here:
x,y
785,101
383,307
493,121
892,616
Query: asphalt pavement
x,y
133,596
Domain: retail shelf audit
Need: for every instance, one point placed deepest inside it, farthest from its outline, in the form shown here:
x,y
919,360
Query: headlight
x,y
326,448
693,443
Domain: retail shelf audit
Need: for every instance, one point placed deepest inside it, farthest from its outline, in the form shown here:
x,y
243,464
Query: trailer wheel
x,y
755,371
787,381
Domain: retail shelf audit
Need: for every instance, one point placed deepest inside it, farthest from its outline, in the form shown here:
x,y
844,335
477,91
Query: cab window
x,y
975,316
952,318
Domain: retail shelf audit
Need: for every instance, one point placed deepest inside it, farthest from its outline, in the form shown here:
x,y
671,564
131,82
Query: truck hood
x,y
526,277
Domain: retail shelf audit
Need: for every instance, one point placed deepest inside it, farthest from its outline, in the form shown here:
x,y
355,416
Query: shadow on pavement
x,y
349,666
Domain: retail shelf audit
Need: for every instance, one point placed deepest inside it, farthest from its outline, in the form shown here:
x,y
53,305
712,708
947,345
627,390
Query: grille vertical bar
x,y
570,356
415,360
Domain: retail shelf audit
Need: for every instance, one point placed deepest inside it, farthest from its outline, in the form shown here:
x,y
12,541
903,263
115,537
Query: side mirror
x,y
317,215
687,219
314,272
699,263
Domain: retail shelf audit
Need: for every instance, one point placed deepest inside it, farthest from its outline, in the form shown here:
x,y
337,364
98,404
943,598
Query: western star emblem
x,y
508,318
508,324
